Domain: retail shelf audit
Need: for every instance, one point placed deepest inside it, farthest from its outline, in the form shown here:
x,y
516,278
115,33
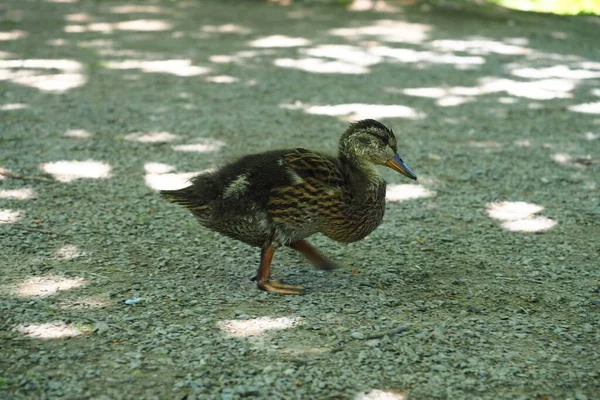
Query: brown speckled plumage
x,y
281,197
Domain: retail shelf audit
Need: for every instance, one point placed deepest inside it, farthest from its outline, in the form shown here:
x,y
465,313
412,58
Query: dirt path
x,y
490,262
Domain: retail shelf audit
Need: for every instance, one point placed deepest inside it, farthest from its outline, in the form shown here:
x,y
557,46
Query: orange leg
x,y
263,275
313,255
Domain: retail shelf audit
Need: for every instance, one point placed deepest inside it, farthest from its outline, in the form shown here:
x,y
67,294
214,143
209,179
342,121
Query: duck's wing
x,y
315,189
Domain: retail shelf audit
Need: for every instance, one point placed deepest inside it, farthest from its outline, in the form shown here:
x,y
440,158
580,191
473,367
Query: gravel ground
x,y
483,282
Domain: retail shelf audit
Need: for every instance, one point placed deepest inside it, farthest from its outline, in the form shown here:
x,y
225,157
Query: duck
x,y
279,198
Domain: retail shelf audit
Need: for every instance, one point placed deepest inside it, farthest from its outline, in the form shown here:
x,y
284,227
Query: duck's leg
x,y
313,255
263,275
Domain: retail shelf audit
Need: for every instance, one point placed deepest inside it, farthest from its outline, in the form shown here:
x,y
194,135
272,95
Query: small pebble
x,y
357,335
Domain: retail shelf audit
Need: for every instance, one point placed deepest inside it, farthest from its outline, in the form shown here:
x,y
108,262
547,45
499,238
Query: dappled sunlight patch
x,y
137,9
75,29
377,394
357,58
52,330
47,285
12,35
586,108
182,67
172,181
256,327
240,57
68,252
158,168
481,46
557,71
222,59
398,193
531,224
159,176
372,5
511,210
68,171
321,66
279,41
439,92
17,194
77,133
414,56
388,31
431,92
350,54
140,25
221,79
591,136
78,17
356,111
10,216
25,72
519,216
63,65
13,106
143,25
453,101
203,145
152,137
545,89
588,64
52,83
227,28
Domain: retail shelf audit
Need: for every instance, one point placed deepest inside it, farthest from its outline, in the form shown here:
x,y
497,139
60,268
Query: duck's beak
x,y
398,165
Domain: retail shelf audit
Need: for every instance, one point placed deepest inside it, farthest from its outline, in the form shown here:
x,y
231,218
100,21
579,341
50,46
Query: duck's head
x,y
369,141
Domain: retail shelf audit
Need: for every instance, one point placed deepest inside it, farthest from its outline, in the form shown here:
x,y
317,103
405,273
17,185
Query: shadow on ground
x,y
491,258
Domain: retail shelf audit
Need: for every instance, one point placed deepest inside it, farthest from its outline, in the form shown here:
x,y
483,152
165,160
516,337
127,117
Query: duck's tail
x,y
184,197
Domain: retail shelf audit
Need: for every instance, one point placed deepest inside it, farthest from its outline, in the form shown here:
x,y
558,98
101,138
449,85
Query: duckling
x,y
279,198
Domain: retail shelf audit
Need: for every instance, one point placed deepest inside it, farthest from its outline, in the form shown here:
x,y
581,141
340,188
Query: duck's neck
x,y
367,183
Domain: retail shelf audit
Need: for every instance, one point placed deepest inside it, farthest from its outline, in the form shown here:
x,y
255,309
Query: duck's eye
x,y
385,140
